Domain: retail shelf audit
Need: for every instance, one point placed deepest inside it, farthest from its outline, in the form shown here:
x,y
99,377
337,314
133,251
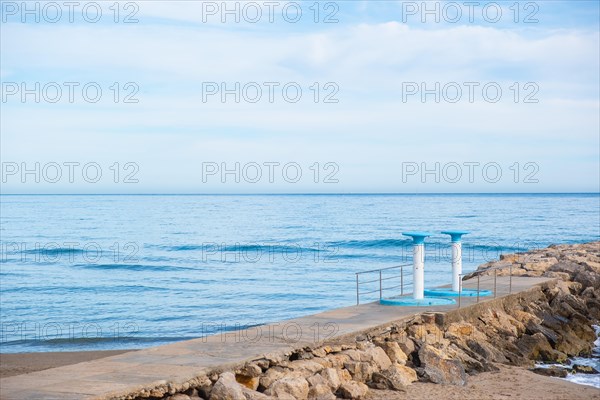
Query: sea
x,y
106,272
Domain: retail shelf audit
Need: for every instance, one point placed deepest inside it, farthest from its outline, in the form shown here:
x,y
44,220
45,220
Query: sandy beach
x,y
512,383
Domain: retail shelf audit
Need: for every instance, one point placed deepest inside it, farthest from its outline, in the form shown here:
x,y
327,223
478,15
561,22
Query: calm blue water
x,y
110,272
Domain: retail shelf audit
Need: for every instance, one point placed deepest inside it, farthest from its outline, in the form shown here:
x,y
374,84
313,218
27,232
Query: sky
x,y
300,97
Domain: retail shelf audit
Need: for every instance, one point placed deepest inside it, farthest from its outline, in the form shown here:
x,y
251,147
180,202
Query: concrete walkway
x,y
179,362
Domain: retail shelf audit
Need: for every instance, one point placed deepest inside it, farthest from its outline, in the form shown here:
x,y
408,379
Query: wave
x,y
85,289
131,267
52,251
377,243
387,243
237,247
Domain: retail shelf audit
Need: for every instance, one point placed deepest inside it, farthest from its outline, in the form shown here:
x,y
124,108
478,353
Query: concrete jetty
x,y
174,364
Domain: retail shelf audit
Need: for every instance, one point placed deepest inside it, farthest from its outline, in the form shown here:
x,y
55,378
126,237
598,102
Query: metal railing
x,y
494,277
379,277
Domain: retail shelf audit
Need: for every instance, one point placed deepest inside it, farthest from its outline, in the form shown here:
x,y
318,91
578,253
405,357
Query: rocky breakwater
x,y
551,322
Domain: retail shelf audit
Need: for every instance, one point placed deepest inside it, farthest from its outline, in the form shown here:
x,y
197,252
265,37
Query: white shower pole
x,y
418,262
456,257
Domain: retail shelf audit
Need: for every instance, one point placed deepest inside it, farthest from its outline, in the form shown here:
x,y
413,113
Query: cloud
x,y
369,132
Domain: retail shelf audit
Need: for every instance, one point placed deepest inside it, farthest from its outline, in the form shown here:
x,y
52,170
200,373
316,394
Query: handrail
x,y
383,269
381,279
478,274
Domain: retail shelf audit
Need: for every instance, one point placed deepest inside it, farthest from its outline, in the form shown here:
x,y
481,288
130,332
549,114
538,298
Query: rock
x,y
406,345
328,379
589,293
501,322
438,369
226,388
552,371
250,370
344,375
360,371
380,358
470,361
272,375
588,279
202,385
263,364
584,369
289,386
253,395
535,347
554,322
249,382
396,377
459,330
538,263
560,275
486,350
193,393
179,396
519,272
320,352
353,390
593,306
357,355
570,268
525,317
426,333
394,352
571,344
306,368
320,392
533,328
332,378
338,360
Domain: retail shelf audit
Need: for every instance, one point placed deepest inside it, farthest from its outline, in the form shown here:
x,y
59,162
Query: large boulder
x,y
329,377
533,328
394,352
338,360
227,388
584,369
535,347
396,377
361,371
571,344
353,390
247,381
305,368
471,361
296,387
551,371
320,392
407,345
426,334
487,351
379,357
569,267
272,375
588,279
439,369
